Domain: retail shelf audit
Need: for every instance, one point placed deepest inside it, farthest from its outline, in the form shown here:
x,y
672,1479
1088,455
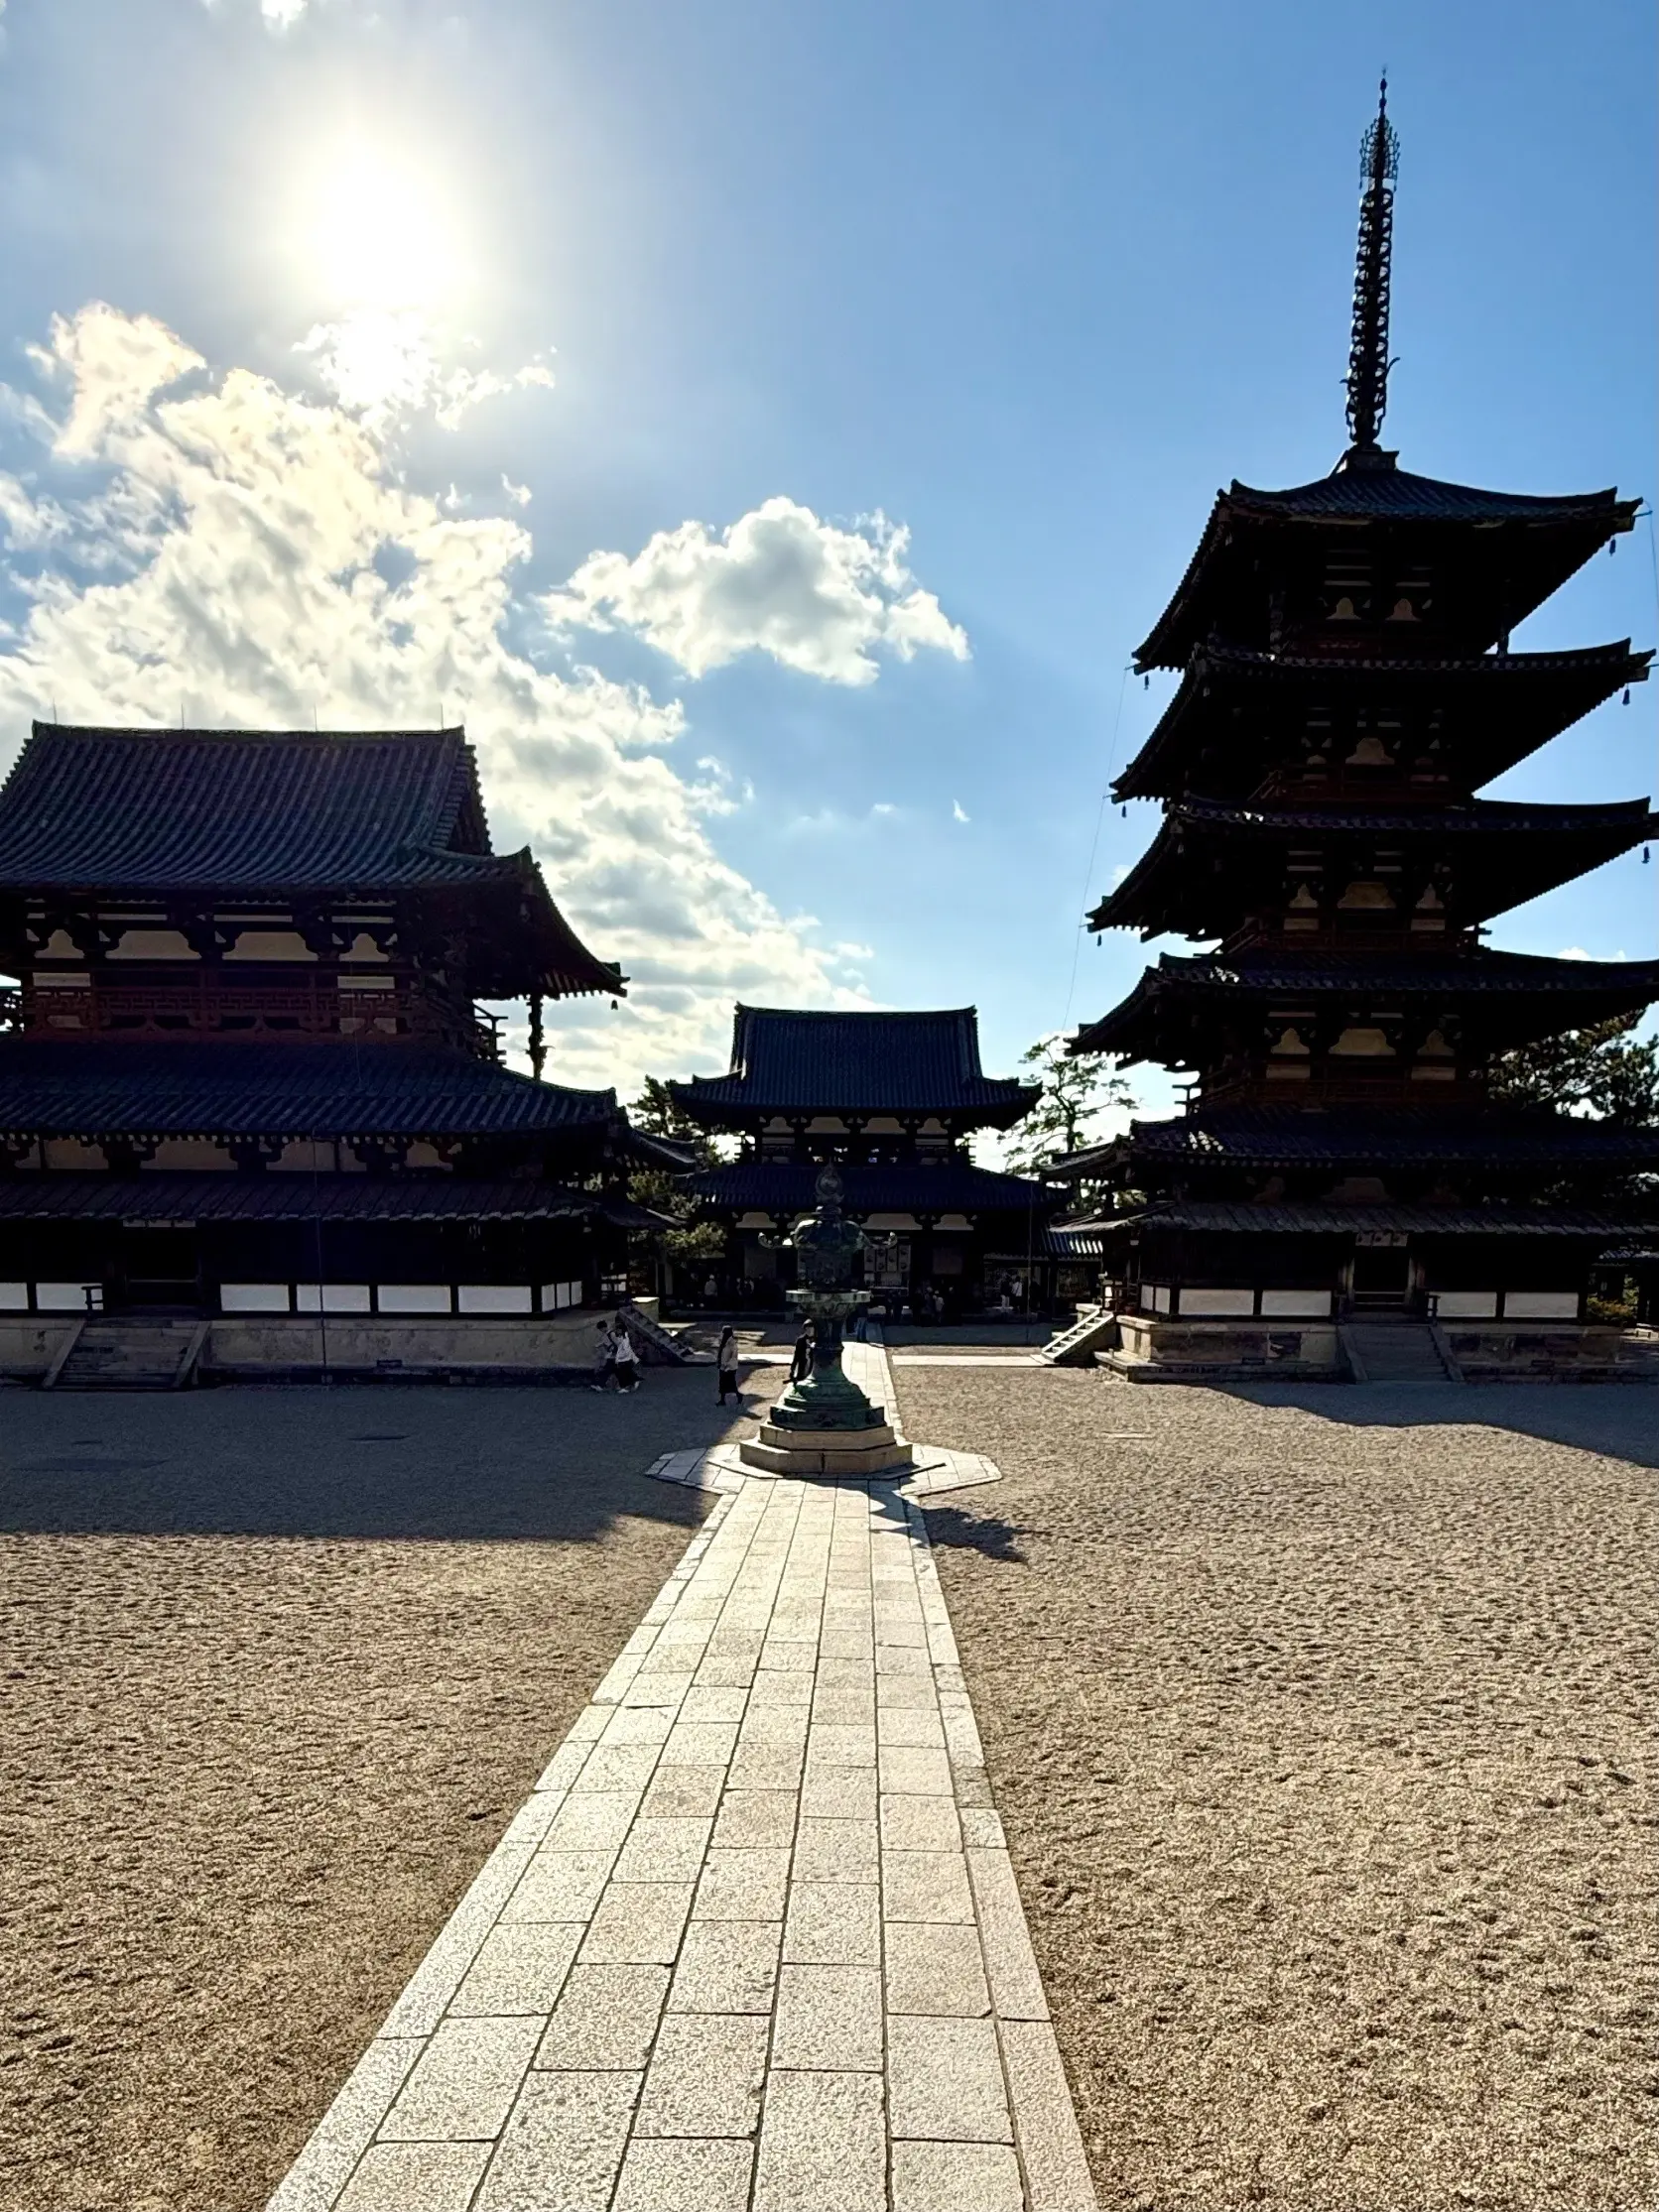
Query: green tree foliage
x,y
659,1113
1077,1096
1598,1071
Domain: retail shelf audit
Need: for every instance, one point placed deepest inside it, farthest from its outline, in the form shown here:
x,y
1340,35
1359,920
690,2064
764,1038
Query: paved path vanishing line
x,y
754,1943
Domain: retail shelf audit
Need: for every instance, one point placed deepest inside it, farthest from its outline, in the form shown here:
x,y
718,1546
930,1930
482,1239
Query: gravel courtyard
x,y
1323,1727
277,1668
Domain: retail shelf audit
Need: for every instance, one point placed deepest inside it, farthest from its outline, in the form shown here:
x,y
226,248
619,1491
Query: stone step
x,y
1077,1346
1397,1352
125,1354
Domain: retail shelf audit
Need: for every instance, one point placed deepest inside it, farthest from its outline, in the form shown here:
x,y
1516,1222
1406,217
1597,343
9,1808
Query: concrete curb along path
x,y
754,1943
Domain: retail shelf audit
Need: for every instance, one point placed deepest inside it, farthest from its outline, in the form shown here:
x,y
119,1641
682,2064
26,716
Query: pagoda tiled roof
x,y
1477,818
1357,494
1285,1137
784,1187
1249,1218
279,813
175,1201
1535,847
1481,970
803,1062
328,1091
1382,493
1503,704
1613,986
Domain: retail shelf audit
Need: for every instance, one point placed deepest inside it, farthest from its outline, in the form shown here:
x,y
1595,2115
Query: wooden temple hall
x,y
245,1076
890,1099
1347,684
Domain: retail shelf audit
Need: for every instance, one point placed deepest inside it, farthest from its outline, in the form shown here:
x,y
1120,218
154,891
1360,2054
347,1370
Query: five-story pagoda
x,y
1348,686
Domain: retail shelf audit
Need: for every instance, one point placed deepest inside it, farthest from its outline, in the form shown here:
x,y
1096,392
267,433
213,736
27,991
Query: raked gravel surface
x,y
1323,1729
275,1669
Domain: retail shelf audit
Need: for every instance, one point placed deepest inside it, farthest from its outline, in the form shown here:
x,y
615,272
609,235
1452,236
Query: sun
x,y
377,234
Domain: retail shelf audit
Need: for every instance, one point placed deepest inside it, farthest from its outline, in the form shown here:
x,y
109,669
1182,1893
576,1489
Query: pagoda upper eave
x,y
1179,1006
1525,546
1234,709
1212,864
1284,1138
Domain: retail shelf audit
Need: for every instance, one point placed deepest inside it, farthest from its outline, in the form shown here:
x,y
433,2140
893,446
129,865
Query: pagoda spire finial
x,y
1368,377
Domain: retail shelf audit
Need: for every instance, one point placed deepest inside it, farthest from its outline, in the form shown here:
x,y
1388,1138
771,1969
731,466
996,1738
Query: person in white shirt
x,y
628,1362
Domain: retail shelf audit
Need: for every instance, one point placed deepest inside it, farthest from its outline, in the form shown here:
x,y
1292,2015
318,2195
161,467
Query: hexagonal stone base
x,y
855,1453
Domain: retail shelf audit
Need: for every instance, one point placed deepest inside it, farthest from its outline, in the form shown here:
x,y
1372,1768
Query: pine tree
x,y
1076,1094
1595,1072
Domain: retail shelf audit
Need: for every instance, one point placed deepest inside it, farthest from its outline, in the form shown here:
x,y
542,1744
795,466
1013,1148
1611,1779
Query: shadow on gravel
x,y
496,1465
1620,1420
952,1529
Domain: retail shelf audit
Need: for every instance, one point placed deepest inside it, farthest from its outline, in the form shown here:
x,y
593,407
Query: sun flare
x,y
377,233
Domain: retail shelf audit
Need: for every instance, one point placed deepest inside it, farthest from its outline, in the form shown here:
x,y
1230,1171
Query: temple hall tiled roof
x,y
95,1089
785,1061
155,1200
281,813
951,1186
227,811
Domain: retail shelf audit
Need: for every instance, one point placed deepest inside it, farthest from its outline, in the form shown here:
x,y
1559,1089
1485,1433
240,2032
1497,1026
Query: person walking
x,y
604,1361
725,1362
627,1362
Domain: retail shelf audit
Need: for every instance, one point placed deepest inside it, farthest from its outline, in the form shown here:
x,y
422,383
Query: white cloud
x,y
1573,952
382,364
519,494
957,814
276,15
219,540
779,580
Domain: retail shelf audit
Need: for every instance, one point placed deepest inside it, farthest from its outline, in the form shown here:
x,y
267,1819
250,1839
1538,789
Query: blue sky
x,y
457,349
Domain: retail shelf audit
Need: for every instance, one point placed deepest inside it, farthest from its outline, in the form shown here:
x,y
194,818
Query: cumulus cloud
x,y
217,540
959,813
780,581
382,364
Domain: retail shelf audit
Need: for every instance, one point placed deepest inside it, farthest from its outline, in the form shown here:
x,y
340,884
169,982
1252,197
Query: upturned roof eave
x,y
1170,641
1230,671
1265,1219
733,1112
1149,900
1298,1138
1615,985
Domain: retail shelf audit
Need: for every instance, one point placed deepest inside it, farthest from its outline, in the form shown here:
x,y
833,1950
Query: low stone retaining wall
x,y
290,1347
1551,1352
1152,1350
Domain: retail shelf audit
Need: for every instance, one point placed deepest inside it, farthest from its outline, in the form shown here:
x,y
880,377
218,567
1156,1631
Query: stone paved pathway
x,y
754,1943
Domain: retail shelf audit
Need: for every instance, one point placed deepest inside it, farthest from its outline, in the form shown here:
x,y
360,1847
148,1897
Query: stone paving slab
x,y
936,1467
755,1939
